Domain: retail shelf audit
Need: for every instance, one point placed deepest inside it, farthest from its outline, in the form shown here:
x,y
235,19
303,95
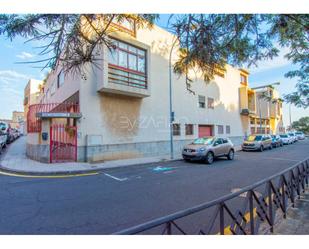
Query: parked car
x,y
208,148
258,142
286,138
300,135
276,141
3,136
293,136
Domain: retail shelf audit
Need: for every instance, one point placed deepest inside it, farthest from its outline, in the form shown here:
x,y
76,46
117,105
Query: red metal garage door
x,y
204,130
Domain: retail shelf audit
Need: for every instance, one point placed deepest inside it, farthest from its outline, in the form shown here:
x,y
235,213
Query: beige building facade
x,y
123,103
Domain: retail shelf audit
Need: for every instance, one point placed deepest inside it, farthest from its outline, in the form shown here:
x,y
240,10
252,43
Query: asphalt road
x,y
120,198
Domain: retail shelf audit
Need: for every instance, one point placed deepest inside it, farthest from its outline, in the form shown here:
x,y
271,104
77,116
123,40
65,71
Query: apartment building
x,y
120,108
261,108
32,92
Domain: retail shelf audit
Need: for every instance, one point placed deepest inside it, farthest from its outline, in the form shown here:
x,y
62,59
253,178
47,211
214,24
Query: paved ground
x,y
15,159
122,197
297,221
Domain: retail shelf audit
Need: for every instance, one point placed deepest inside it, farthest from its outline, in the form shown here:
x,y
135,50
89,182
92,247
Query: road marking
x,y
116,178
47,176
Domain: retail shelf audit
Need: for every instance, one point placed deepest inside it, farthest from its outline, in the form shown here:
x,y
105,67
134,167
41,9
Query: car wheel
x,y
270,147
261,148
187,160
209,158
230,156
281,144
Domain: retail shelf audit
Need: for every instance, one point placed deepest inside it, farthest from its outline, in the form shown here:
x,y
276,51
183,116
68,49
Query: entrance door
x,y
204,130
63,143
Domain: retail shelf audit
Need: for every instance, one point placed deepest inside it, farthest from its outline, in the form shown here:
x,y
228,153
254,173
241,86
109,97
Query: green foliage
x,y
207,42
301,125
65,35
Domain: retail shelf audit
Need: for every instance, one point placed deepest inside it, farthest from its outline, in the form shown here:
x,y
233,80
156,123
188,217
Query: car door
x,y
218,147
225,146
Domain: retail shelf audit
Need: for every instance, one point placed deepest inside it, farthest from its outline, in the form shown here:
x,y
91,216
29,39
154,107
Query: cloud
x,y
10,75
279,61
25,55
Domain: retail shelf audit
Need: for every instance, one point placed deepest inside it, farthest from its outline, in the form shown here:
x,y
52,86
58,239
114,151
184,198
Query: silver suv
x,y
207,148
258,142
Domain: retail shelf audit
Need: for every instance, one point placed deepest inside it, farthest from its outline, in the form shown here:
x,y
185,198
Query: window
x,y
228,129
243,79
189,129
52,88
210,103
252,120
201,101
220,129
127,65
176,129
60,79
224,140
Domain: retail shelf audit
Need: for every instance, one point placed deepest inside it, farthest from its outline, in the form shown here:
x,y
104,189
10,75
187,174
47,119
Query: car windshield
x,y
299,133
284,136
254,138
203,140
291,134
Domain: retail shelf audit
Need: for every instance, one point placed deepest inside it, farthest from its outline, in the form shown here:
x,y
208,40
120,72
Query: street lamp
x,y
259,100
170,98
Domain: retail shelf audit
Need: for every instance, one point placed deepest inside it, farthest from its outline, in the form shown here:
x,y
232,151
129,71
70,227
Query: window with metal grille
x,y
220,129
201,101
228,129
127,65
176,129
210,103
189,129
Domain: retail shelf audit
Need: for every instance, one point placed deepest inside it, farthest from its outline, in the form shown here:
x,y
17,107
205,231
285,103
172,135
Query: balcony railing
x,y
37,111
125,76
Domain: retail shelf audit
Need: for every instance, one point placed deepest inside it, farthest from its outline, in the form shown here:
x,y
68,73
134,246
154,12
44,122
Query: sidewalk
x,y
16,161
297,221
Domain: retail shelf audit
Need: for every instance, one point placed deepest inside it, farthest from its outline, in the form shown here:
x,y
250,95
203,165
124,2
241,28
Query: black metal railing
x,y
280,191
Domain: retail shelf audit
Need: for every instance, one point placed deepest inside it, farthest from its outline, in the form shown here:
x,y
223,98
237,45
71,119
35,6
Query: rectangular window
x,y
210,103
176,129
189,129
243,79
228,129
220,129
127,65
53,88
201,101
60,79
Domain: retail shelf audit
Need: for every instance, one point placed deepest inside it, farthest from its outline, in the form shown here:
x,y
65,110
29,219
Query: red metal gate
x,y
63,143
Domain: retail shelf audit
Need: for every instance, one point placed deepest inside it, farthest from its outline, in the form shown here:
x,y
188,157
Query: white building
x,y
124,105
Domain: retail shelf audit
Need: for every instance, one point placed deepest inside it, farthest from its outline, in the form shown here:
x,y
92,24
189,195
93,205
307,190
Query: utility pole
x,y
290,116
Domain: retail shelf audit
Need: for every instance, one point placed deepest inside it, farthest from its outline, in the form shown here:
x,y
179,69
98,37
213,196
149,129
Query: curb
x,y
74,172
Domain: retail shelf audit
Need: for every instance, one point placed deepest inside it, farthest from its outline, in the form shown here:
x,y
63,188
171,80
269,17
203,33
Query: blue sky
x,y
14,76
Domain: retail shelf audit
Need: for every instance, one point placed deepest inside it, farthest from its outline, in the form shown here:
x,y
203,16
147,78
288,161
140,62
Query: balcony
x,y
124,81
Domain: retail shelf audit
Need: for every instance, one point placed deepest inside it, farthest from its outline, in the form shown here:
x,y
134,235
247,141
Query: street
x,y
119,198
